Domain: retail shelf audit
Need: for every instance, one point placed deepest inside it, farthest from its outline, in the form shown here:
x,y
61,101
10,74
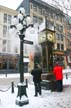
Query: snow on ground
x,y
13,75
47,100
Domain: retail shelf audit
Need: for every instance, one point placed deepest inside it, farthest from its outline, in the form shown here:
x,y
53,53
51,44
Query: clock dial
x,y
42,37
50,37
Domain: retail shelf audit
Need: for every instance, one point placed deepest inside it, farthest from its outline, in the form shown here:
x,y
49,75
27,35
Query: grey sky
x,y
10,3
13,4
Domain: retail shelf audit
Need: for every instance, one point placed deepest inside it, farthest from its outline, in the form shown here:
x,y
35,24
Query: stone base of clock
x,y
48,82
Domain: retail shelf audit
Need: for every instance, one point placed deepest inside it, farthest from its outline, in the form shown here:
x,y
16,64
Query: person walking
x,y
57,71
36,72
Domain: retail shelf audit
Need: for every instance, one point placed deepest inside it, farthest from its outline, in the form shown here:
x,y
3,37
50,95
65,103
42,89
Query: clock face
x,y
42,37
50,37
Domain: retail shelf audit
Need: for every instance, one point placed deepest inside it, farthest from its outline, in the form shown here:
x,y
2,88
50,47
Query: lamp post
x,y
20,23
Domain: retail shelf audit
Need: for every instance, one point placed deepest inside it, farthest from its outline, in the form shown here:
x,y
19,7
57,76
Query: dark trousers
x,y
59,84
37,88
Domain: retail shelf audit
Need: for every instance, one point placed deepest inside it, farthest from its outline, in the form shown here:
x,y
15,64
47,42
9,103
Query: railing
x,y
12,87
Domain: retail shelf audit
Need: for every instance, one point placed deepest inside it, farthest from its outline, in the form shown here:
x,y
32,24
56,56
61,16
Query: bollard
x,y
6,74
26,83
12,86
66,76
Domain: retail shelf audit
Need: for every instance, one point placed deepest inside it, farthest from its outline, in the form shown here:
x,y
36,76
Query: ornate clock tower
x,y
46,39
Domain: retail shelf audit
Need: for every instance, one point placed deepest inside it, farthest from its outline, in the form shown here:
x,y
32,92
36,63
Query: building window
x,y
51,15
34,19
4,61
61,37
69,43
9,46
58,18
50,25
58,36
5,18
69,35
34,8
40,20
69,59
40,10
9,19
9,62
59,28
4,30
4,46
58,46
61,19
43,12
62,47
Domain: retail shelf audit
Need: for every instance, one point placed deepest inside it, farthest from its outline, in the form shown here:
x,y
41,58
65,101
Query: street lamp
x,y
20,23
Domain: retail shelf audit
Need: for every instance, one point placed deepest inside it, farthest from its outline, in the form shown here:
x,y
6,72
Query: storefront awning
x,y
56,52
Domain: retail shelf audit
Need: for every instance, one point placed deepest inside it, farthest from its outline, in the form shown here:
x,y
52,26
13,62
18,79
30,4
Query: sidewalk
x,y
47,100
13,75
6,81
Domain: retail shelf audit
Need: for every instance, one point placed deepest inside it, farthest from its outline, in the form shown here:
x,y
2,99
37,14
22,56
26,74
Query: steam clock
x,y
46,39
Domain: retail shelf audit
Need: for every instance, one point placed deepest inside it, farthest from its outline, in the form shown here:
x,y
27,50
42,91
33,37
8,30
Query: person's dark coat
x,y
36,75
